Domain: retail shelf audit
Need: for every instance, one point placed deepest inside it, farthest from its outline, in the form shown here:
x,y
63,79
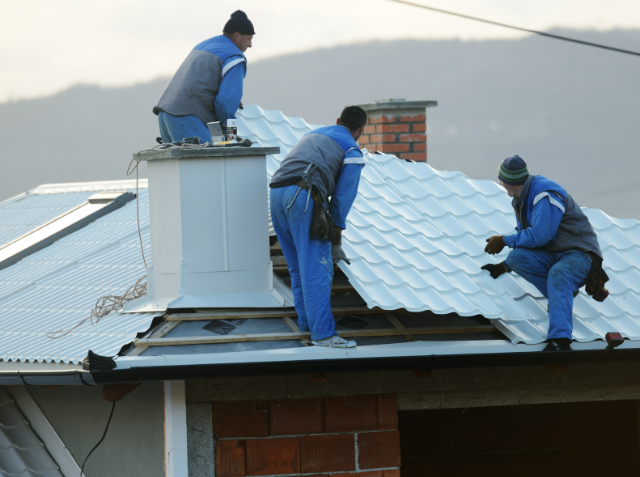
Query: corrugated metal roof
x,y
415,236
21,451
58,286
416,240
25,213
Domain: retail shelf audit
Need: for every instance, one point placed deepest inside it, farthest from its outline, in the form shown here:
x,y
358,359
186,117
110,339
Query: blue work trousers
x,y
176,128
557,276
309,260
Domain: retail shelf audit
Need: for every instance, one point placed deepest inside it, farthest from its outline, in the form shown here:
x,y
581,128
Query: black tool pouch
x,y
322,225
596,279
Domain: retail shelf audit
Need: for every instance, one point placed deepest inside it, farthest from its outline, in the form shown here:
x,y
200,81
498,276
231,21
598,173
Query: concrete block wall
x,y
355,436
397,127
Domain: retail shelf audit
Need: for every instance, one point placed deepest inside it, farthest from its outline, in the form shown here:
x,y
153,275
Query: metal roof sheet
x,y
21,451
57,287
25,213
415,235
416,238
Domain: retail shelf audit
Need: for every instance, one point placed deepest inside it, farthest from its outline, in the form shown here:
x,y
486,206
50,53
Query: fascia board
x,y
313,353
45,431
45,378
407,356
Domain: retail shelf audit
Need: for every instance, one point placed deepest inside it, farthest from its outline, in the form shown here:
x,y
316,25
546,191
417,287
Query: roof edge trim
x,y
63,225
45,431
64,187
394,359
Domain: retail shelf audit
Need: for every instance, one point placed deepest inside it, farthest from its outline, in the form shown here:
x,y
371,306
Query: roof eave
x,y
184,367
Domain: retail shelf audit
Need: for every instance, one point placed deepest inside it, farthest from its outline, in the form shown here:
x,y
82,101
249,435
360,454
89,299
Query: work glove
x,y
495,244
495,270
338,254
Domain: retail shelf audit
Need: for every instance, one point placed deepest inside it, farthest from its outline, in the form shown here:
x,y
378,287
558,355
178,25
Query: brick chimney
x,y
398,127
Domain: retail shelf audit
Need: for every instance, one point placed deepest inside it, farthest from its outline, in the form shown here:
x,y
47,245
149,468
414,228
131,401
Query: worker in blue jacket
x,y
208,85
325,162
552,248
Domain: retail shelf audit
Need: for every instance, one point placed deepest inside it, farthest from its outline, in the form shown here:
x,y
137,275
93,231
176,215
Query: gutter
x,y
396,357
420,355
46,378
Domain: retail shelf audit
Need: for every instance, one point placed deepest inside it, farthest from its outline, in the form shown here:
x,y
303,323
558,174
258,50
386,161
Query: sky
x,y
49,45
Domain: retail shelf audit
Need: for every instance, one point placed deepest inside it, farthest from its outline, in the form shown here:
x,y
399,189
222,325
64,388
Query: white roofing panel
x,y
415,236
21,451
416,239
57,287
25,213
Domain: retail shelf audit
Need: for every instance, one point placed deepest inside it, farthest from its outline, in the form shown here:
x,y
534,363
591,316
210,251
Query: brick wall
x,y
397,127
333,436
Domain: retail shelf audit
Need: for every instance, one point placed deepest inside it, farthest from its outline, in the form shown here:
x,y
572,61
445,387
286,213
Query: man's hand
x,y
495,270
338,254
495,244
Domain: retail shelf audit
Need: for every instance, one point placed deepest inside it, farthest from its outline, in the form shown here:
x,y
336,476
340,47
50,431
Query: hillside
x,y
572,112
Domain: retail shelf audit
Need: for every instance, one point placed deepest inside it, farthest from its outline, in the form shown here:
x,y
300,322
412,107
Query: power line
x,y
549,35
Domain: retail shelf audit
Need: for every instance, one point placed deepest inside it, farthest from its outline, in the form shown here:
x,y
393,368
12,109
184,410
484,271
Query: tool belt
x,y
302,184
596,279
322,225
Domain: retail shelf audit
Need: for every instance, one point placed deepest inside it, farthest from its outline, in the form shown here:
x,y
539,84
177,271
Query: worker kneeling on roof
x,y
326,162
208,85
555,247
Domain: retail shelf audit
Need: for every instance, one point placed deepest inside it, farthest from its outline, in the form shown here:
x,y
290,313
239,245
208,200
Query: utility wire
x,y
549,35
100,441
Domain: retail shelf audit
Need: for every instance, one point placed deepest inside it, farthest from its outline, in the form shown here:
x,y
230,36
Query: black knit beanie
x,y
513,171
239,22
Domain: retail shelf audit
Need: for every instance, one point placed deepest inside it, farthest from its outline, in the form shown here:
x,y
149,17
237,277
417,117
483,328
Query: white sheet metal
x,y
57,287
416,240
317,353
209,232
24,214
415,236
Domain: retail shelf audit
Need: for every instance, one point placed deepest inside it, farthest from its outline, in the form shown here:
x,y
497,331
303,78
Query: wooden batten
x,y
300,335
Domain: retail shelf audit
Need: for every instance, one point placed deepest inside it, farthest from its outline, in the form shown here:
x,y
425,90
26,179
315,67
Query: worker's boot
x,y
335,342
558,344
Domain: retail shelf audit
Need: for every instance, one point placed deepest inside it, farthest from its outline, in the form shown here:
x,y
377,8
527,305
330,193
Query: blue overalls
x,y
546,253
207,87
309,260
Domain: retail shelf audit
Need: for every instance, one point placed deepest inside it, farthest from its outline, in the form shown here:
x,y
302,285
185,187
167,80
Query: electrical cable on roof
x,y
106,305
109,303
129,171
491,22
100,441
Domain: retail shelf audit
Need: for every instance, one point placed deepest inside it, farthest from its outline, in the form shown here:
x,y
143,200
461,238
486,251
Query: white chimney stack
x,y
209,230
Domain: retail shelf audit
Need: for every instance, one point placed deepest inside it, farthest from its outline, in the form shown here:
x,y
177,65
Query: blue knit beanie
x,y
513,171
239,22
